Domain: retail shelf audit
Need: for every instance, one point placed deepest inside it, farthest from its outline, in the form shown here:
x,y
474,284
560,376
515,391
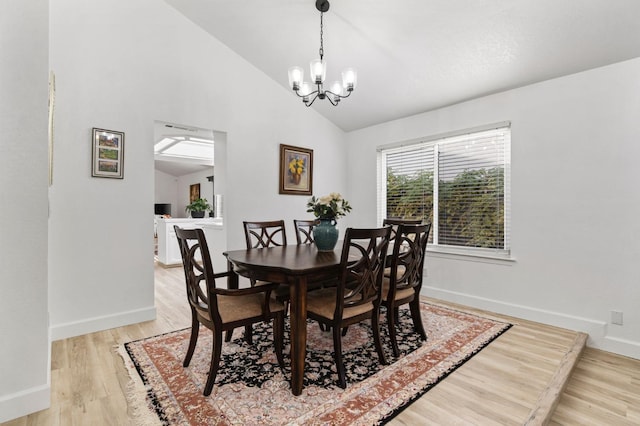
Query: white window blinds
x,y
459,183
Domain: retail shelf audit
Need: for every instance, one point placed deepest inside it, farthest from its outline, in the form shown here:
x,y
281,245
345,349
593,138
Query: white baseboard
x,y
597,330
90,325
25,402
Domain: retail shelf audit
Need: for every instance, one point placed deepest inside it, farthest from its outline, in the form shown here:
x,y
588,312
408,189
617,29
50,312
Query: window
x,y
459,183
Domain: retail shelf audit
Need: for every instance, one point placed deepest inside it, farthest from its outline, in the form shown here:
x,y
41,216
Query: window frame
x,y
433,142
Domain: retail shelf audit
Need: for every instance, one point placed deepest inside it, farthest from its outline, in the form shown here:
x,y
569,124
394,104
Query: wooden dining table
x,y
295,266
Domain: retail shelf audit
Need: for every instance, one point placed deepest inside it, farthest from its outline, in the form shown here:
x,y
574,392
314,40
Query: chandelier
x,y
318,68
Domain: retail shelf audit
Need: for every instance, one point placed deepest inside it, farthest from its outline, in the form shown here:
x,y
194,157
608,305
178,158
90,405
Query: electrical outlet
x,y
616,317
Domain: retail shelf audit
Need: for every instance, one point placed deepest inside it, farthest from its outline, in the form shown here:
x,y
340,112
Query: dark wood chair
x,y
304,235
265,234
395,222
221,309
403,284
362,262
304,230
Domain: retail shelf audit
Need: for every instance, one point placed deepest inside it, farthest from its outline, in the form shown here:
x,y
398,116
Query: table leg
x,y
298,318
232,283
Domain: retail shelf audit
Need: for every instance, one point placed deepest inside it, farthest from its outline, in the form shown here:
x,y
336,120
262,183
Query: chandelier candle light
x,y
318,72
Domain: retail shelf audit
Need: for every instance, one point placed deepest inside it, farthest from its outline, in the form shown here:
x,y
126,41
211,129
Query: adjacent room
x,y
485,151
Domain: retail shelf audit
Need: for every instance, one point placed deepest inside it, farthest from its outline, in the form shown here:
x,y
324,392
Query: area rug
x,y
251,389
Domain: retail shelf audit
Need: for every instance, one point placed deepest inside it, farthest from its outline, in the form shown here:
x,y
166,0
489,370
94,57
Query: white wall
x,y
185,181
24,352
166,191
575,204
136,69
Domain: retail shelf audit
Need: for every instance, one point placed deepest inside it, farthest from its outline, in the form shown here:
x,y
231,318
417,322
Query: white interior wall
x,y
138,71
185,181
574,204
24,330
166,191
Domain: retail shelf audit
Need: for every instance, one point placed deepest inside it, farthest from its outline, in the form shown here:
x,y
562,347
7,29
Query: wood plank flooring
x,y
499,386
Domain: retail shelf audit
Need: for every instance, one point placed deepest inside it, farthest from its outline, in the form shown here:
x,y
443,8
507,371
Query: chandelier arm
x,y
315,92
331,100
312,100
338,95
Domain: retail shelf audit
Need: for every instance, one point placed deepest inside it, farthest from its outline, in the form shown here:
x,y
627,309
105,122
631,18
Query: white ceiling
x,y
180,167
414,56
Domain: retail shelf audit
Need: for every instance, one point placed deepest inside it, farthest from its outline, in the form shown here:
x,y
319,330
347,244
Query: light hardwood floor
x,y
499,386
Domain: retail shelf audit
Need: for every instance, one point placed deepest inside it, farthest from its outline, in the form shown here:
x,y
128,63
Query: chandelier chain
x,y
321,34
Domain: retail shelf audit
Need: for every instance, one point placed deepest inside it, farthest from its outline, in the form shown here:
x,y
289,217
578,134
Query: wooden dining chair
x,y
403,284
395,222
304,235
265,234
304,230
221,309
361,263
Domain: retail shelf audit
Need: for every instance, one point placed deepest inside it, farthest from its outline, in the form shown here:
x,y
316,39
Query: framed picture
x,y
194,192
296,170
108,154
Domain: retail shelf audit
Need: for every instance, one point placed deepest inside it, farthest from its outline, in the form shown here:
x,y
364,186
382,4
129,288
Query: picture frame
x,y
108,153
194,192
296,170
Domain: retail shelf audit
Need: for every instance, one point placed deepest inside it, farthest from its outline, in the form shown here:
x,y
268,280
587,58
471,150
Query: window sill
x,y
471,256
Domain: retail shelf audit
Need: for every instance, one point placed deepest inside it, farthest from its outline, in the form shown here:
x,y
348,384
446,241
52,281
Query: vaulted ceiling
x,y
414,56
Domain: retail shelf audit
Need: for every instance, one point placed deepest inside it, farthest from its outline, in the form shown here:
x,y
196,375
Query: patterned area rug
x,y
251,389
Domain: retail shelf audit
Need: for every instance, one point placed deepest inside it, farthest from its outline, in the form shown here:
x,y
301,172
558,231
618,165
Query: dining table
x,y
296,266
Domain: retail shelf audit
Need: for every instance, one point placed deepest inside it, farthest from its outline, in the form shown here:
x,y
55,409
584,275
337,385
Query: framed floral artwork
x,y
194,192
108,154
296,170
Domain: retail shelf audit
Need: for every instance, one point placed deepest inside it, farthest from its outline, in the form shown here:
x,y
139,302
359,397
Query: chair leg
x,y
417,317
216,351
195,329
375,325
227,336
278,337
248,334
344,331
337,354
391,322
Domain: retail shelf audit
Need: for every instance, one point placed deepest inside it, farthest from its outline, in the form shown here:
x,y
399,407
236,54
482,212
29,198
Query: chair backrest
x,y
395,222
265,234
304,230
362,267
407,260
198,270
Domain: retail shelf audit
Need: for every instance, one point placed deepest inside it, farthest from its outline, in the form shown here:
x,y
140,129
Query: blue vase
x,y
325,235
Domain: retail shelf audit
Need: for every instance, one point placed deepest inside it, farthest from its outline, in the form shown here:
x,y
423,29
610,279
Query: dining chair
x,y
361,263
304,230
221,309
304,235
395,222
265,234
403,284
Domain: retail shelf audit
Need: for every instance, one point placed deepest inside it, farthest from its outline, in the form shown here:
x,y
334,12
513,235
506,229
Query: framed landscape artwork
x,y
108,154
296,170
